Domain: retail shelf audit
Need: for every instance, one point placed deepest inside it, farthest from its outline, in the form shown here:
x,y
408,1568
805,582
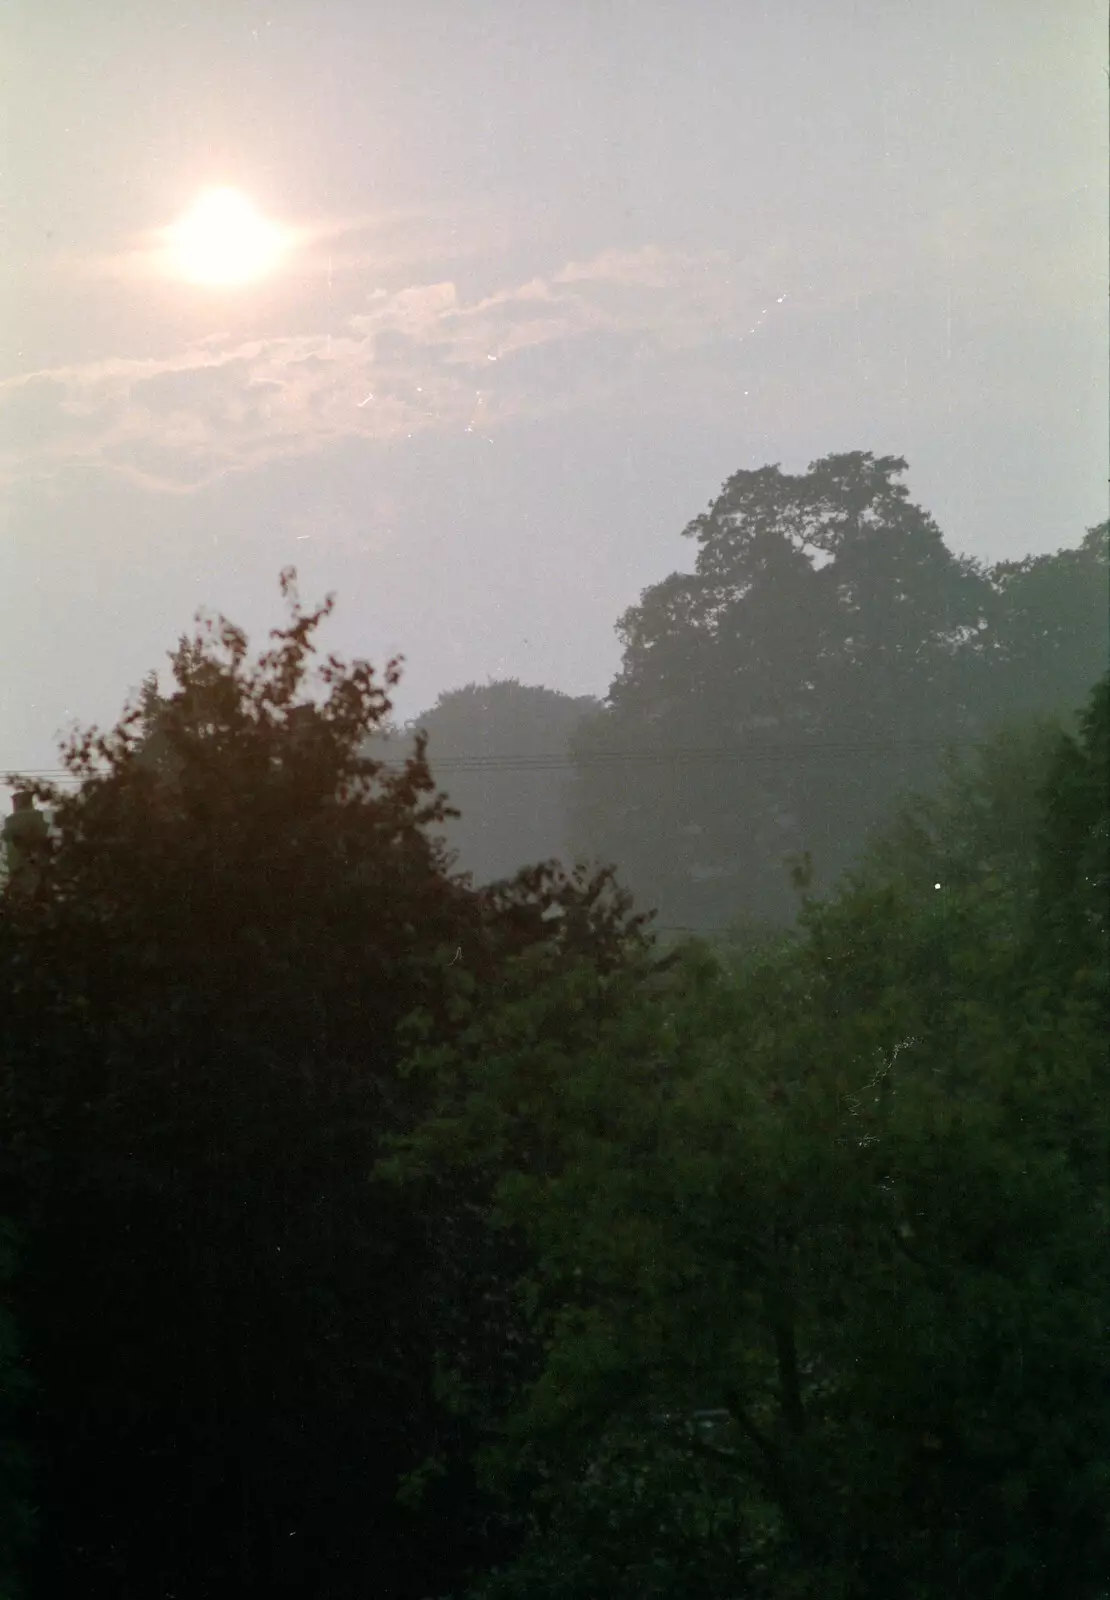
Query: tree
x,y
18,1520
823,653
1073,859
1050,633
231,1329
839,1213
501,750
979,827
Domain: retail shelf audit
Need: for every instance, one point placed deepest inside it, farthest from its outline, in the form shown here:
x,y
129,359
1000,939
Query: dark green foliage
x,y
232,1330
1050,633
1074,855
980,827
18,1521
849,1197
654,1515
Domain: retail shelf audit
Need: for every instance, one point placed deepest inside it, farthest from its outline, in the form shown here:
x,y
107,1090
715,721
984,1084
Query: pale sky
x,y
555,272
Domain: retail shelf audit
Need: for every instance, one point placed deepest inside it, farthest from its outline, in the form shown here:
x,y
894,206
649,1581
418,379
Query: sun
x,y
224,240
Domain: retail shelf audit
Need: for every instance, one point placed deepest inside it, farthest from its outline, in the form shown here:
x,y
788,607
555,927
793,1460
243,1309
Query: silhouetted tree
x,y
232,1330
501,750
814,665
1049,636
18,1520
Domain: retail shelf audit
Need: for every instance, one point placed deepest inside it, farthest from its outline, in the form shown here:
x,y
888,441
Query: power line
x,y
785,751
793,750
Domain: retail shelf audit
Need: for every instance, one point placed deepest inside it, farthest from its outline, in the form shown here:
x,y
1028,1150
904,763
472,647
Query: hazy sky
x,y
558,270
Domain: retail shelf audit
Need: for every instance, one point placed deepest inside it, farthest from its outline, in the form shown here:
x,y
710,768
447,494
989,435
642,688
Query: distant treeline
x,y
825,653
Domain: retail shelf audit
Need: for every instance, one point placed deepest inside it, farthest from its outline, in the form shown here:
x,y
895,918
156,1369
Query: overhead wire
x,y
555,761
560,761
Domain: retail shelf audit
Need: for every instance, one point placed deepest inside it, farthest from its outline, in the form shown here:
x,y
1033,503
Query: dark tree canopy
x,y
230,1326
1051,636
825,649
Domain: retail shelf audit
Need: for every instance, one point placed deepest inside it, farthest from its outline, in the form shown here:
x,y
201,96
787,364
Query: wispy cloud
x,y
419,359
838,325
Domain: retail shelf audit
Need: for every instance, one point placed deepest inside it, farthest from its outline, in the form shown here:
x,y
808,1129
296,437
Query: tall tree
x,y
18,1519
824,650
1050,630
501,751
231,1330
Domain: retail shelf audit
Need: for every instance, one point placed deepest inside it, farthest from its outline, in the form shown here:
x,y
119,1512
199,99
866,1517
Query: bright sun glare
x,y
224,240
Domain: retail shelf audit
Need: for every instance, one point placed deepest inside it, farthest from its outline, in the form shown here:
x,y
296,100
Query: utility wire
x,y
797,750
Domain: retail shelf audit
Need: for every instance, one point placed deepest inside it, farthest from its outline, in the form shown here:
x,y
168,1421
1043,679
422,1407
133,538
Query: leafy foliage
x,y
979,828
1050,620
825,650
232,1330
18,1519
848,1202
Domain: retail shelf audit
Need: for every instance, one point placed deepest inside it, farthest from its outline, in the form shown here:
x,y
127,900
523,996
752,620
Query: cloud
x,y
416,360
651,268
845,329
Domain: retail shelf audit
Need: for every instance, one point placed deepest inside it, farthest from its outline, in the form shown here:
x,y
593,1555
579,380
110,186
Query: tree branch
x,y
779,1480
790,1388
